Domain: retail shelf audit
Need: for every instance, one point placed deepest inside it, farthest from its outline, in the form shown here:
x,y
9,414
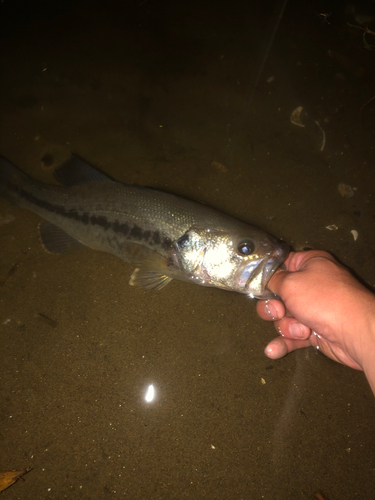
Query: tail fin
x,y
11,181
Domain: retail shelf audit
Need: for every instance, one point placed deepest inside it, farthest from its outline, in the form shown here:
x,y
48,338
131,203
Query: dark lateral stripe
x,y
135,233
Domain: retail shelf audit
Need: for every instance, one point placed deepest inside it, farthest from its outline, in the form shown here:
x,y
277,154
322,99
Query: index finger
x,y
296,261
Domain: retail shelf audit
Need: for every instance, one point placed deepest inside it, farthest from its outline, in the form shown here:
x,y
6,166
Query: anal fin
x,y
56,240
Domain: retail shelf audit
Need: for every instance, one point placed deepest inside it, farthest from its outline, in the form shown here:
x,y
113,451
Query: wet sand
x,y
161,94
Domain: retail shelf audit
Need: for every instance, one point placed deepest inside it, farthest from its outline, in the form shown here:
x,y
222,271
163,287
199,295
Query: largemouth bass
x,y
164,236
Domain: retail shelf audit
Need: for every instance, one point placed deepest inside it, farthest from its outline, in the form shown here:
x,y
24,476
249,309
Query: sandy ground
x,y
160,93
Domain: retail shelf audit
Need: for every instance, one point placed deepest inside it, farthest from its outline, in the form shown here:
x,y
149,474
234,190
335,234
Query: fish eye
x,y
246,247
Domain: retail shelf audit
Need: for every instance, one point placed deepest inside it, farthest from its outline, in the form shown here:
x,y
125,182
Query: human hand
x,y
323,306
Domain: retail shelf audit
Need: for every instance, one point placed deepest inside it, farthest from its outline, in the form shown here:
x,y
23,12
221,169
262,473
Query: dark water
x,y
153,93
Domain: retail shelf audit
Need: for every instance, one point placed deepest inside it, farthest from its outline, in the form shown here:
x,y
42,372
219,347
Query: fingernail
x,y
296,331
271,310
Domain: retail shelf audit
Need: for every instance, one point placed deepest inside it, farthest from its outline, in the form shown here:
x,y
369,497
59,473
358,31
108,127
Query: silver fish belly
x,y
164,236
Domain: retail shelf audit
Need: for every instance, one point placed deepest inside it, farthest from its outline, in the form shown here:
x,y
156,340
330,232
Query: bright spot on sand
x,y
150,393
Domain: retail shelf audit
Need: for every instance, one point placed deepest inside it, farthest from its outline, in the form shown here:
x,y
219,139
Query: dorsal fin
x,y
76,171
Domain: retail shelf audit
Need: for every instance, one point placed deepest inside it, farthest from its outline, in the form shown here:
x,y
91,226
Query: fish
x,y
165,237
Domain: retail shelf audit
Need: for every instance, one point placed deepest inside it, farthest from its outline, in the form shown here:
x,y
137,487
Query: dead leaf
x,y
9,477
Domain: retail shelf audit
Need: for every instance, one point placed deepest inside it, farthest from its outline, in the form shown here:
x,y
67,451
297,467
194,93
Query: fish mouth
x,y
256,285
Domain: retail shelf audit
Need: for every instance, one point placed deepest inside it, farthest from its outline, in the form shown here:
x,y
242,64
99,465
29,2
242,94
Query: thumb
x,y
276,283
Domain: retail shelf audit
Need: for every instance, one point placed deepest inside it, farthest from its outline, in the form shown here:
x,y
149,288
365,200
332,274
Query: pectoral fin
x,y
152,269
147,278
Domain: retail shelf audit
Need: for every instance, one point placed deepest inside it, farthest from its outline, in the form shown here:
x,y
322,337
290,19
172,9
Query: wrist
x,y
365,336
